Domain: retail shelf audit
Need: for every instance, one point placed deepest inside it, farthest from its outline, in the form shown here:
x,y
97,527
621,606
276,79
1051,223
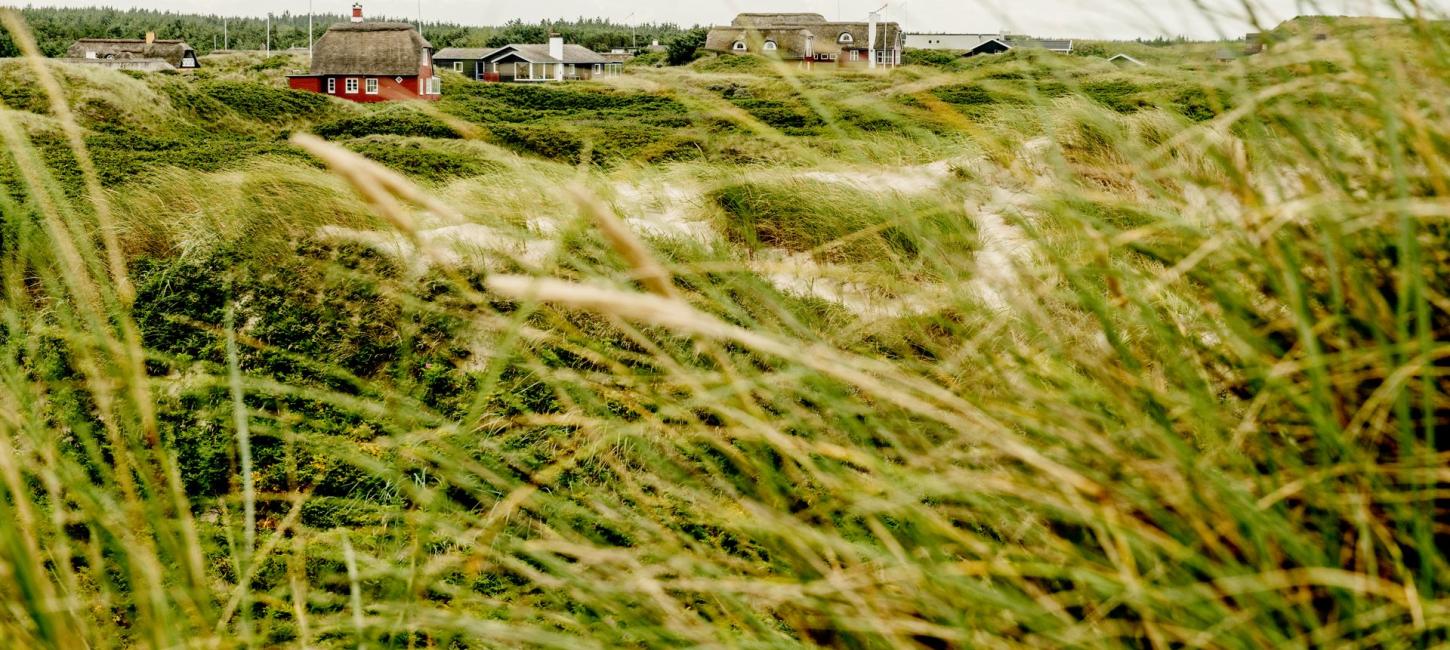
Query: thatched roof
x,y
776,20
382,49
576,54
170,51
790,40
140,65
463,53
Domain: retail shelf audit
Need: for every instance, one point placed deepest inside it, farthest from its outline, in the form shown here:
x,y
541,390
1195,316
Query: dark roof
x,y
996,45
463,53
385,49
576,54
1056,45
991,45
170,51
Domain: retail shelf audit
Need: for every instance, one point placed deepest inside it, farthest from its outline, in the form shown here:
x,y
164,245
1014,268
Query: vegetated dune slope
x,y
1021,350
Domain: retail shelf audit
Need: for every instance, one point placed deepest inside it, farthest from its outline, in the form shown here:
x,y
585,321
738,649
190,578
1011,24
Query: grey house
x,y
467,61
522,62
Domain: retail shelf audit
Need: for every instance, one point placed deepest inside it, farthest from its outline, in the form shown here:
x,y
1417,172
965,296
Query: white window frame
x,y
332,85
770,46
371,86
740,46
845,37
458,66
349,87
855,55
599,68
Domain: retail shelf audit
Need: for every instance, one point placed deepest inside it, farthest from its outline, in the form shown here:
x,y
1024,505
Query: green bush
x,y
788,116
422,160
681,49
1119,95
742,63
935,58
545,141
263,103
397,119
846,224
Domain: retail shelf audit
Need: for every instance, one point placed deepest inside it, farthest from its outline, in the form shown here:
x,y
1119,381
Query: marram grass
x,y
1020,352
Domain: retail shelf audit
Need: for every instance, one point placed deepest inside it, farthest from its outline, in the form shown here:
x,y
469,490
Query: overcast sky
x,y
1074,18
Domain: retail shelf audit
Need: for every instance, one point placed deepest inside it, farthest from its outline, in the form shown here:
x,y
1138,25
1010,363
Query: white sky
x,y
1047,18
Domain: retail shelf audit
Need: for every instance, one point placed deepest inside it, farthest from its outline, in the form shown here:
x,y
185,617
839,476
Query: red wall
x,y
388,88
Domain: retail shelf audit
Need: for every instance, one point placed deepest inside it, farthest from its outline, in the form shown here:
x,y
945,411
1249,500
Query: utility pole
x,y
269,32
309,32
226,42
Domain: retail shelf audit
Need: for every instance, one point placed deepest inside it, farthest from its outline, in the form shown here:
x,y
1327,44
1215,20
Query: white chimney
x,y
357,12
871,40
556,47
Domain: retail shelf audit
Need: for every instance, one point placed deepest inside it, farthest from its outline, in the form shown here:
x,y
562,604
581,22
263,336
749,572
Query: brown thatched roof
x,y
383,49
170,51
790,40
775,20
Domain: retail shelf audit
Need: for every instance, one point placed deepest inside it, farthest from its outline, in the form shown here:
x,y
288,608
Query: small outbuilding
x,y
999,45
1122,59
176,54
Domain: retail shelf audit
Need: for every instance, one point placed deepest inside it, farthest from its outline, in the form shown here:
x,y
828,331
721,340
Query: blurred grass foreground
x,y
1023,350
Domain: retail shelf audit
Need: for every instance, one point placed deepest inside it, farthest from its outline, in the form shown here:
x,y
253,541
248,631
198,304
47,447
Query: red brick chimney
x,y
357,12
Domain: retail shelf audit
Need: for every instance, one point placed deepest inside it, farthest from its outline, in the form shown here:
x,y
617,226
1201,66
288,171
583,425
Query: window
x,y
598,68
573,71
855,55
350,87
739,46
372,86
770,46
846,37
458,66
435,86
332,86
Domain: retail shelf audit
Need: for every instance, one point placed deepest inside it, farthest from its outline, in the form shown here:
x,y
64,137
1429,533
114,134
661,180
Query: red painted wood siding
x,y
389,88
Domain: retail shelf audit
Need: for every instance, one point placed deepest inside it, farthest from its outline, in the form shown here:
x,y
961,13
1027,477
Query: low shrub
x,y
420,159
1117,94
392,120
267,104
838,222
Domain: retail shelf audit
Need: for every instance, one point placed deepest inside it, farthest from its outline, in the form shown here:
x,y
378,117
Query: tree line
x,y
56,29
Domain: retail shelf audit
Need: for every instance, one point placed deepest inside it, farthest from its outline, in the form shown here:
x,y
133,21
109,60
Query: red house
x,y
371,62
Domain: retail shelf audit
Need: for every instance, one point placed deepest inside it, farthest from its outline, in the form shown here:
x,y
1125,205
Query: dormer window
x,y
846,37
770,46
739,46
